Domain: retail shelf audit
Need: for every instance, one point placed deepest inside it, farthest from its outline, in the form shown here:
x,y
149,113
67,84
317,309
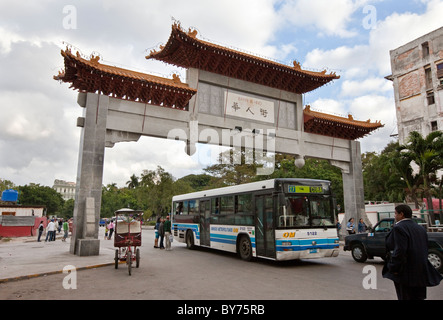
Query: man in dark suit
x,y
407,262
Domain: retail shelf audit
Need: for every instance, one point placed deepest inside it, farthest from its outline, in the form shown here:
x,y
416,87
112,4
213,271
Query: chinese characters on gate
x,y
249,108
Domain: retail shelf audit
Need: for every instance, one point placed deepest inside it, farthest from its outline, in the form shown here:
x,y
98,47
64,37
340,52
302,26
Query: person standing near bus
x,y
157,225
161,232
167,228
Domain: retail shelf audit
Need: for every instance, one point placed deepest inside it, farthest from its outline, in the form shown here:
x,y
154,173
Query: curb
x,y
37,275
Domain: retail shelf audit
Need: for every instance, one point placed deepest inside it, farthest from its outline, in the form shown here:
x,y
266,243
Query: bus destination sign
x,y
304,189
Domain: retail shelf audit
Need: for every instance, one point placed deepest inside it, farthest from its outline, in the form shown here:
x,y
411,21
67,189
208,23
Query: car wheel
x,y
359,253
436,259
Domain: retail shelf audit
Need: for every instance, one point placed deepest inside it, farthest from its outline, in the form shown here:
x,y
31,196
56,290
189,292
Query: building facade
x,y
417,75
66,189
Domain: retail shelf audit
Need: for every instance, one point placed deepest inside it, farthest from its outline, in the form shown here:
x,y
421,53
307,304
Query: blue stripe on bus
x,y
306,244
229,239
184,227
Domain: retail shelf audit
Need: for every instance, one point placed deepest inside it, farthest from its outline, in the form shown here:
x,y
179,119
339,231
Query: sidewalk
x,y
24,257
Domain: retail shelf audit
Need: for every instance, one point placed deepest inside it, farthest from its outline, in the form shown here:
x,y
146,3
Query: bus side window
x,y
178,208
215,209
185,207
227,205
243,209
215,206
193,207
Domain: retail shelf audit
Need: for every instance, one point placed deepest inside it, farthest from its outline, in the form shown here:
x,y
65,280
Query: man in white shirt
x,y
50,229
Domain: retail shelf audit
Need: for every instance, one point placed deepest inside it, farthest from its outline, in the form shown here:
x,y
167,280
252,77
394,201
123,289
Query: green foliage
x,y
34,194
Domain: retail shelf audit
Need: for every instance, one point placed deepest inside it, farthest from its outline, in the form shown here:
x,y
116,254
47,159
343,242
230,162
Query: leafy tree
x,y
382,180
197,182
233,167
68,209
133,182
34,194
6,185
427,154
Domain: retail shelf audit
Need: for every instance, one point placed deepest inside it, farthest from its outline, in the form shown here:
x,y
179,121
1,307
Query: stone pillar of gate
x,y
84,241
353,190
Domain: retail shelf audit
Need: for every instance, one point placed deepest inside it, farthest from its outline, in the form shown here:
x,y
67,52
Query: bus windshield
x,y
306,211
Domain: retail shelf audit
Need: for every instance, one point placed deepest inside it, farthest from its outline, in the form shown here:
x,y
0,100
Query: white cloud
x,y
359,88
373,58
328,18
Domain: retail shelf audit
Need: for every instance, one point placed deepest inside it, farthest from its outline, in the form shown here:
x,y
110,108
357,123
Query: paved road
x,y
183,274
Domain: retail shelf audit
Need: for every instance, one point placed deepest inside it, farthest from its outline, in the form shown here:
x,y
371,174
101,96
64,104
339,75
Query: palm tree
x,y
427,154
133,182
400,162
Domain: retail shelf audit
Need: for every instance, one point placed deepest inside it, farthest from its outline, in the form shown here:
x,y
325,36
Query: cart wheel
x,y
129,261
116,259
137,258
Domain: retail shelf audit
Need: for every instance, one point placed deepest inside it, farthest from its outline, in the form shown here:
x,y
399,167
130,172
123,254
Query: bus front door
x,y
264,226
205,207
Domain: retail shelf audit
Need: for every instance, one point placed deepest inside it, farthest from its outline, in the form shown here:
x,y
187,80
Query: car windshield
x,y
303,211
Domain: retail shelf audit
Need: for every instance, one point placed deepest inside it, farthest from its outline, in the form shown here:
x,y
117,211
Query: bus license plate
x,y
313,250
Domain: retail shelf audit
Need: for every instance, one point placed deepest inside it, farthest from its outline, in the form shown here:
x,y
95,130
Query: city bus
x,y
278,219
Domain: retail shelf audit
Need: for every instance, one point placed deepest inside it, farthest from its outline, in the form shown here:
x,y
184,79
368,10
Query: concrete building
x,y
417,75
66,189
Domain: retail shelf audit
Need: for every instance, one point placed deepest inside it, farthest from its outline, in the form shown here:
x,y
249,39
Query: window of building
x,y
428,78
430,98
434,126
425,50
440,71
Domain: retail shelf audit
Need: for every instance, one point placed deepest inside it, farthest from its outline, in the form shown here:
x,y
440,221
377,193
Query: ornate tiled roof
x,y
185,50
337,127
91,76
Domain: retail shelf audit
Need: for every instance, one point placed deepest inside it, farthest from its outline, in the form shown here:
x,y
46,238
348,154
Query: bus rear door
x,y
264,226
205,209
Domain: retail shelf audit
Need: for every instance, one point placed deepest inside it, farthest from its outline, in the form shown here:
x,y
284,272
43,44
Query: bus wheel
x,y
189,240
245,248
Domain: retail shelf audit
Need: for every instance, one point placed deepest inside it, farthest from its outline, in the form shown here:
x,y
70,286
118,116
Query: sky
x,y
39,139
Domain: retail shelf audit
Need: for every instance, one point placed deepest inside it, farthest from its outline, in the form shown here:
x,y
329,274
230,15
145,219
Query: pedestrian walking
x,y
111,229
60,225
41,228
65,230
167,230
350,227
407,263
157,225
106,231
50,229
